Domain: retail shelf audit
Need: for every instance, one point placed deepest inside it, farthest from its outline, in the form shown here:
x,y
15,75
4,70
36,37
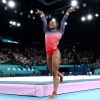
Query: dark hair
x,y
55,22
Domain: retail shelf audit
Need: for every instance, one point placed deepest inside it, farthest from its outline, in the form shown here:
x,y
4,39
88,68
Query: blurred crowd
x,y
30,56
76,56
37,56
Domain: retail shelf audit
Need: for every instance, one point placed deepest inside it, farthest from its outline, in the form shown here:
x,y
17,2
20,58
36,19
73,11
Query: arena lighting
x,y
10,25
89,17
14,23
18,24
84,5
15,11
21,13
97,15
5,8
29,16
62,12
31,11
9,41
11,4
65,23
15,42
83,18
33,17
74,3
49,16
77,7
54,20
4,1
10,22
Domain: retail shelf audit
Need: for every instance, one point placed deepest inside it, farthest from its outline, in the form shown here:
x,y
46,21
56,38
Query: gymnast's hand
x,y
71,9
40,12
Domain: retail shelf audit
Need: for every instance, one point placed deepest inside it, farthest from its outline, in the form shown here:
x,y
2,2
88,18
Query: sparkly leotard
x,y
52,38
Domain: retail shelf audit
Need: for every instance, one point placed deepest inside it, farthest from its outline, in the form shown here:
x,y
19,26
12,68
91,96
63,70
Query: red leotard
x,y
52,37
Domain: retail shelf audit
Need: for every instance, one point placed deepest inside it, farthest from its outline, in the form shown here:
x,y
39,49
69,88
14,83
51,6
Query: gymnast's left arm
x,y
62,26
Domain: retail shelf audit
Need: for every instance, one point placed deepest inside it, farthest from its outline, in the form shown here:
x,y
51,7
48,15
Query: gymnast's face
x,y
53,25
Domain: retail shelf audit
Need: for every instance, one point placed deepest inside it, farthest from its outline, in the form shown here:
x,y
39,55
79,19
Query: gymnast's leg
x,y
49,64
55,67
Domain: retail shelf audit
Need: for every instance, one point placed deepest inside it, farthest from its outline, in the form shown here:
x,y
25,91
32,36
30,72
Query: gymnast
x,y
52,38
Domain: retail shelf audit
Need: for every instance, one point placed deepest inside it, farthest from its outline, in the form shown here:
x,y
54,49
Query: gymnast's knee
x,y
54,73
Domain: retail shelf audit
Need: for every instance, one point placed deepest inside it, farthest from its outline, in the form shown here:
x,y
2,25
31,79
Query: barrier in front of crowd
x,y
43,70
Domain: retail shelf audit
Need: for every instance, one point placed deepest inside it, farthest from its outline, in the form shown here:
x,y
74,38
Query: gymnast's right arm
x,y
43,18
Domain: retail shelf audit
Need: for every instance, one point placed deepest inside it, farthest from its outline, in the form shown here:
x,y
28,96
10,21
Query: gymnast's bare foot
x,y
54,95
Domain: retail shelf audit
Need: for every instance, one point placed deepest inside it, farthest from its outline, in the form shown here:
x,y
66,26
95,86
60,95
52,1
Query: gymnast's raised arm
x,y
62,26
43,18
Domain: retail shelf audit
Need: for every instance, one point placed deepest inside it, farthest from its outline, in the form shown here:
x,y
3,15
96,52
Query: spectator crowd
x,y
37,56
